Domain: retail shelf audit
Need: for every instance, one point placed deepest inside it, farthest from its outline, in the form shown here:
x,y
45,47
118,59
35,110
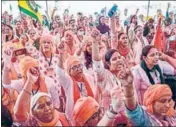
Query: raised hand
x,y
126,76
32,75
8,55
95,34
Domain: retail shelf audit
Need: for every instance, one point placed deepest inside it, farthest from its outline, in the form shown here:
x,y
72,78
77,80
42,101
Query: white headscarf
x,y
35,98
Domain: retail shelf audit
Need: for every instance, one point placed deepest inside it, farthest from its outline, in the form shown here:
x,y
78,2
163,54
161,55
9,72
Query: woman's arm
x,y
95,46
22,105
128,89
169,59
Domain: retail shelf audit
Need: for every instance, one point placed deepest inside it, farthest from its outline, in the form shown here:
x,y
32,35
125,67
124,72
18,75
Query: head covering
x,y
26,63
34,100
84,108
103,28
155,92
36,97
46,37
70,61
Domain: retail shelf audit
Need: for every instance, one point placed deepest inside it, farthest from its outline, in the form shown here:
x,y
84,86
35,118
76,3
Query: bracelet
x,y
26,91
109,117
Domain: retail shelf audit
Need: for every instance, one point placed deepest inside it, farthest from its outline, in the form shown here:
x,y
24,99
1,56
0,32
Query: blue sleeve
x,y
138,117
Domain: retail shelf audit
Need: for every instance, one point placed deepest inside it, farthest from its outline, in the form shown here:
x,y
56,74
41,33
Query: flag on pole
x,y
30,8
159,40
10,6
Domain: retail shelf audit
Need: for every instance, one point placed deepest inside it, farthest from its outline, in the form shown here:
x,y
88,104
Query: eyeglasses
x,y
76,67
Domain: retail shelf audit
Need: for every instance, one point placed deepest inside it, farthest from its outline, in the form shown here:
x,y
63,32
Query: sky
x,y
89,7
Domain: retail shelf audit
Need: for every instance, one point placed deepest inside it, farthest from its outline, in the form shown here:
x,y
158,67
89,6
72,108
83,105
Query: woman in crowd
x,y
139,42
38,110
75,82
102,27
42,84
19,29
9,33
150,70
158,105
107,78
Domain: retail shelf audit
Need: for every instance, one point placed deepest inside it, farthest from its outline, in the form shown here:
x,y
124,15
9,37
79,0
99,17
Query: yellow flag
x,y
30,8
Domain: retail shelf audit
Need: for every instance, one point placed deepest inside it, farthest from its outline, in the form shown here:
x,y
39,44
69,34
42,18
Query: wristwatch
x,y
112,110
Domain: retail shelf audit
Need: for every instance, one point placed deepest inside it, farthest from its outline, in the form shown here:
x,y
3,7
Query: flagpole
x,y
148,9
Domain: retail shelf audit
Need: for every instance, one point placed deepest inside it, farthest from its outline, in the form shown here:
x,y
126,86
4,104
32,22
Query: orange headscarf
x,y
84,108
25,64
155,92
76,93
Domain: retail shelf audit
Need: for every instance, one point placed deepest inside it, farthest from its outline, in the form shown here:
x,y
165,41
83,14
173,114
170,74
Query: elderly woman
x,y
38,110
158,105
43,84
150,71
76,83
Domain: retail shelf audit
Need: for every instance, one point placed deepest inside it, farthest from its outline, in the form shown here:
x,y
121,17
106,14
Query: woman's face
x,y
32,34
102,20
152,57
55,25
95,118
139,32
150,36
46,46
8,31
116,62
162,105
89,47
123,39
18,25
24,38
68,37
76,69
81,32
44,109
134,19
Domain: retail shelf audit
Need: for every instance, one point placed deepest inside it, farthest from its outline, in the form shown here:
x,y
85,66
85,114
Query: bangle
x,y
112,110
109,117
26,91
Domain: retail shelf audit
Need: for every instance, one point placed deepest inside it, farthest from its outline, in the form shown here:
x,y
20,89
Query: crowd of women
x,y
88,71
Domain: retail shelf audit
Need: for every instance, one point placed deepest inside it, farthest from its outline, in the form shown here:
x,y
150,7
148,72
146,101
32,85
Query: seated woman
x,y
158,105
42,111
75,81
150,71
42,84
